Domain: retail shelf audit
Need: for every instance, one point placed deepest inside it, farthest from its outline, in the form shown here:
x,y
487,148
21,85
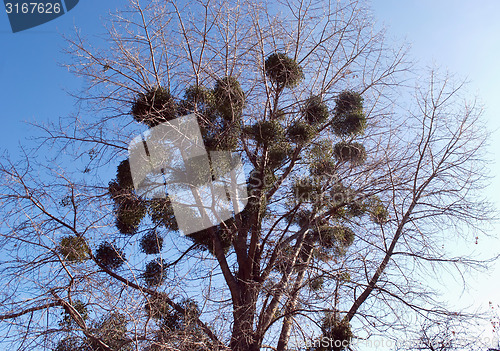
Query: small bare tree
x,y
350,198
446,334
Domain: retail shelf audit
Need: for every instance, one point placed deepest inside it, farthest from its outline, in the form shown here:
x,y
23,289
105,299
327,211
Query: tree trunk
x,y
292,301
243,334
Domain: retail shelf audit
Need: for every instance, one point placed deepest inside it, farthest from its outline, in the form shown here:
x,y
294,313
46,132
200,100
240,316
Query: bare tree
x,y
350,201
446,334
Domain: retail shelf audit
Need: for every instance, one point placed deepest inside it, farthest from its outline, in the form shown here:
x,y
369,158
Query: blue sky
x,y
459,36
33,82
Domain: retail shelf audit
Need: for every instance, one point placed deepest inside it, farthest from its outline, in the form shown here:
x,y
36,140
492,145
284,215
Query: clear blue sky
x,y
33,83
461,36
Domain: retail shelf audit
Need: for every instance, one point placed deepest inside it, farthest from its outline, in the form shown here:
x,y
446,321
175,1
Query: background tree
x,y
349,203
447,334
